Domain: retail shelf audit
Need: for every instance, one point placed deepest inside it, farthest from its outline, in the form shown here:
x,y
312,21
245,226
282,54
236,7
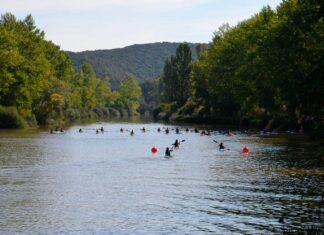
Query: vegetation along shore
x,y
266,72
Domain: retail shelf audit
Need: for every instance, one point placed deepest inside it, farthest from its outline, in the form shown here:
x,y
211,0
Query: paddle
x,y
180,142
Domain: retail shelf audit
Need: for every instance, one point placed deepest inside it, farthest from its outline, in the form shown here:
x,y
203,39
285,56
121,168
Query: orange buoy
x,y
154,150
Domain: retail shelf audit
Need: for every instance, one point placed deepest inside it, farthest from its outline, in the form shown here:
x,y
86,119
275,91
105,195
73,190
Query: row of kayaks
x,y
57,132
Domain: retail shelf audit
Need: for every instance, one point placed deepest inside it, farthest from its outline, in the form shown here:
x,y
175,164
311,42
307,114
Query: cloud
x,y
92,24
35,6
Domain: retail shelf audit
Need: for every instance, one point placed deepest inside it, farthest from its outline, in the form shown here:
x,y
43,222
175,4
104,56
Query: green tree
x,y
151,90
175,77
103,93
89,85
130,93
266,68
37,79
183,59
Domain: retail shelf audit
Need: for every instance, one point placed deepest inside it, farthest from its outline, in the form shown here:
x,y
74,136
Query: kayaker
x,y
176,144
168,152
221,146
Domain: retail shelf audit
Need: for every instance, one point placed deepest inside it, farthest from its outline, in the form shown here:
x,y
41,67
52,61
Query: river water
x,y
111,183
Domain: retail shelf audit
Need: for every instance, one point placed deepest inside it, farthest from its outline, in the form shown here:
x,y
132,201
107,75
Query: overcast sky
x,y
78,25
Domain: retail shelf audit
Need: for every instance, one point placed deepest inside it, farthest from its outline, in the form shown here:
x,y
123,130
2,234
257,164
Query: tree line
x,y
267,71
39,86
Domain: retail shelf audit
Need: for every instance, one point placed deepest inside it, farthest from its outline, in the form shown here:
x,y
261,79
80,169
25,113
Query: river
x,y
111,183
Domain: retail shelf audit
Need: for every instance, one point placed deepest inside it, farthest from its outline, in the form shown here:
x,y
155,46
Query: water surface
x,y
110,183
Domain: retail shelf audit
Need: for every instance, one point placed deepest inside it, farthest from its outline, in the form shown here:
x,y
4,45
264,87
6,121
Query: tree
x,y
176,76
89,85
103,93
265,69
37,79
130,93
183,60
151,90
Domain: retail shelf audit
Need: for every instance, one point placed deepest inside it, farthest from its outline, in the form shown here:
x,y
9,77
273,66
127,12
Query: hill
x,y
145,61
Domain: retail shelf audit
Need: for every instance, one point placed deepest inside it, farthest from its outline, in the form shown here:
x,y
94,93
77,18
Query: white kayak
x,y
58,132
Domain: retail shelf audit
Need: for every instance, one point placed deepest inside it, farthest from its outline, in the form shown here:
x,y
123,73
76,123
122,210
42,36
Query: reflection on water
x,y
111,183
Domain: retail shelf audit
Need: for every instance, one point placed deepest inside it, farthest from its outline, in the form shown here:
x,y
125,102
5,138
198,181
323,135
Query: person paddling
x,y
168,152
80,130
121,130
176,144
167,131
143,129
132,133
177,130
221,146
102,130
159,130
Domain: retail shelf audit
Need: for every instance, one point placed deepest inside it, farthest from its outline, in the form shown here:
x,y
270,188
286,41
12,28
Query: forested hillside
x,y
145,61
39,86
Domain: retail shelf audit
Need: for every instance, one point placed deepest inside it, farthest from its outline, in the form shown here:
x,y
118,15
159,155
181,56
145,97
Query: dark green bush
x,y
9,118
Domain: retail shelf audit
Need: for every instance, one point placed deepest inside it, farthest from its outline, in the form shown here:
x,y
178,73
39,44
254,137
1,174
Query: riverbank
x,y
11,119
311,130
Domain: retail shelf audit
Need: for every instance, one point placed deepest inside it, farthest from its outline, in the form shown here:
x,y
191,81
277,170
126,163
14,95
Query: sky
x,y
78,25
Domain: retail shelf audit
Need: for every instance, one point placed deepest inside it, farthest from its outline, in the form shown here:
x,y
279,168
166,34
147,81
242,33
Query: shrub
x,y
9,118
